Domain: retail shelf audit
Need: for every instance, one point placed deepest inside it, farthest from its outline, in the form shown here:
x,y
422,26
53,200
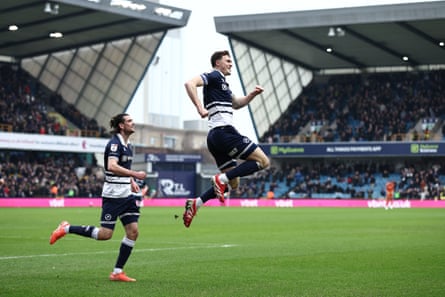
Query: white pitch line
x,y
109,252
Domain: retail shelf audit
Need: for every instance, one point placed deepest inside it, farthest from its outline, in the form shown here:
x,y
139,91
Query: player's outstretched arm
x,y
239,102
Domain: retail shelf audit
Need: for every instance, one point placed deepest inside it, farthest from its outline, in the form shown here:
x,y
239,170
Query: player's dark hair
x,y
217,56
115,121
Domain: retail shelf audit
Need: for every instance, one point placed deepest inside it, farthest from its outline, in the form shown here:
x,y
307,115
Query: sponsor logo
x,y
153,158
395,204
416,148
249,203
233,152
354,149
128,4
284,203
170,188
57,203
285,150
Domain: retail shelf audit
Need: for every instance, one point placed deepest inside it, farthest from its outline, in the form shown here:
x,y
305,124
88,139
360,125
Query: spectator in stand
x,y
54,191
426,134
270,194
415,135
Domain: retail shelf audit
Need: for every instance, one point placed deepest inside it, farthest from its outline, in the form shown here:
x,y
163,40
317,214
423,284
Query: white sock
x,y
128,242
95,233
223,178
199,202
117,270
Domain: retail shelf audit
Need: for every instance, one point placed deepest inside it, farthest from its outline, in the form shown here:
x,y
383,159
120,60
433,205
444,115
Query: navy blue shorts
x,y
126,209
227,145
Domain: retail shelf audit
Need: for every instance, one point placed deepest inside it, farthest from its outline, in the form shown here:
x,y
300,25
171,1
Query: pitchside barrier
x,y
179,202
180,175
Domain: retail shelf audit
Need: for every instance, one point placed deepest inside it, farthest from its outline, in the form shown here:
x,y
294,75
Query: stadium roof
x,y
357,38
82,22
283,51
102,52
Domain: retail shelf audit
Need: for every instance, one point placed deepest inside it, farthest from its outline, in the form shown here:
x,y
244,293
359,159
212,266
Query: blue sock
x,y
82,230
209,194
244,169
124,252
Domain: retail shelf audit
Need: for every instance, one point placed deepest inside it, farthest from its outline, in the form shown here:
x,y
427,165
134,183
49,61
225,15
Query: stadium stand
x,y
343,179
26,106
33,174
375,107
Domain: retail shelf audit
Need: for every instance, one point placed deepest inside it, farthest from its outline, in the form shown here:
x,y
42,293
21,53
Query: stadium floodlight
x,y
47,8
56,34
336,32
13,28
51,8
340,31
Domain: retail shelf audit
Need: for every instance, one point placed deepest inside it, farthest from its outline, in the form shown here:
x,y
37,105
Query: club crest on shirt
x,y
113,147
224,87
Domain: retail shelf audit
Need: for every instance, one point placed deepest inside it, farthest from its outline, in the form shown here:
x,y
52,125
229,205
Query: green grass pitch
x,y
231,252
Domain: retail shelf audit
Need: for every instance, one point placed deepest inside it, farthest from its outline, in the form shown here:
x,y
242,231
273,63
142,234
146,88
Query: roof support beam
x,y
420,33
378,45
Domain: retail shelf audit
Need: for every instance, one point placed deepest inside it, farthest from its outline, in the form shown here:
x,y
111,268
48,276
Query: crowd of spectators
x,y
24,106
361,179
372,107
19,107
26,174
39,174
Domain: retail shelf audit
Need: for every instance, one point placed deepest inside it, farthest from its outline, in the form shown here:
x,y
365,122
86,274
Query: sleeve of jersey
x,y
205,79
114,150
